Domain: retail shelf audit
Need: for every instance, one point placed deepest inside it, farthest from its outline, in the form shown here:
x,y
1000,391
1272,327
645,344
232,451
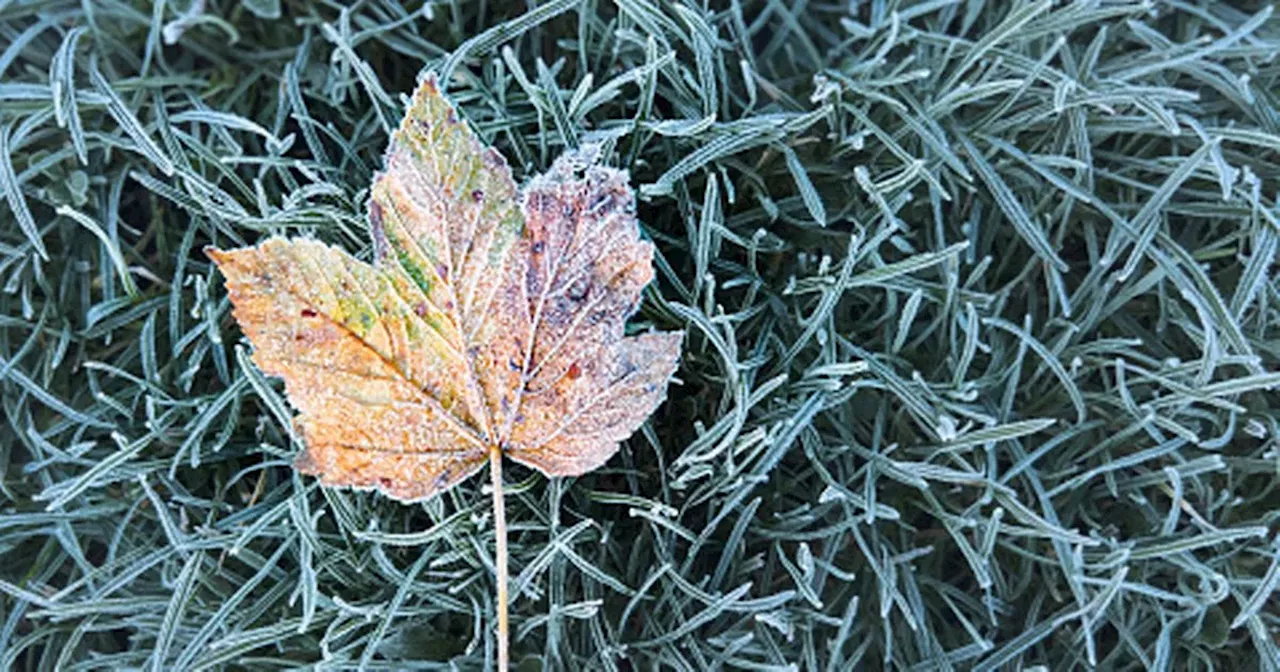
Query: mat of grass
x,y
982,303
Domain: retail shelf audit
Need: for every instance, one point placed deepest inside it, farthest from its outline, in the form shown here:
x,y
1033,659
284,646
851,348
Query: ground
x,y
981,308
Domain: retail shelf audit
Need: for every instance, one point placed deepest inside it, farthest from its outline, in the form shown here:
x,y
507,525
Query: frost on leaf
x,y
491,319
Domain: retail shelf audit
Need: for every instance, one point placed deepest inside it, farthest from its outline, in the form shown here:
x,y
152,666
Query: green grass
x,y
982,305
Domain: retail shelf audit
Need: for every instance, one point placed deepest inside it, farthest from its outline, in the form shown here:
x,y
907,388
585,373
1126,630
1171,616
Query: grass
x,y
982,303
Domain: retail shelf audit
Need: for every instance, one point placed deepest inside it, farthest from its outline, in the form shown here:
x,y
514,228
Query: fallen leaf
x,y
491,319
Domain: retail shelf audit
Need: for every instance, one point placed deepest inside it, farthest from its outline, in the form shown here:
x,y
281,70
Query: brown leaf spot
x,y
420,308
573,372
308,312
477,195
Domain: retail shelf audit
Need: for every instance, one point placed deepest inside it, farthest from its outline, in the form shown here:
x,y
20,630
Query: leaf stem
x,y
500,554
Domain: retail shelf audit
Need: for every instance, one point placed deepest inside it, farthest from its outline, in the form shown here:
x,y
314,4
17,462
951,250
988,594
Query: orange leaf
x,y
491,320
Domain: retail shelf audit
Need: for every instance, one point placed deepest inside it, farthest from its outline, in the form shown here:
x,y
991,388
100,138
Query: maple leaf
x,y
491,322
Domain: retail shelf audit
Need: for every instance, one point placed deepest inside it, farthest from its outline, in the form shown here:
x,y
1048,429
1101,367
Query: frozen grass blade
x,y
982,313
